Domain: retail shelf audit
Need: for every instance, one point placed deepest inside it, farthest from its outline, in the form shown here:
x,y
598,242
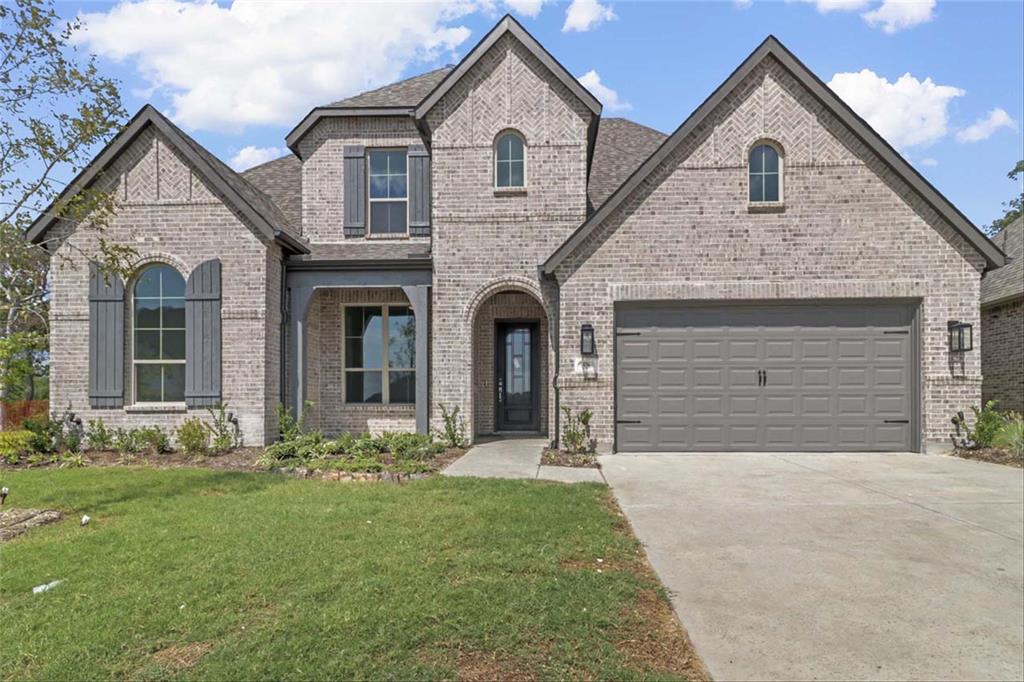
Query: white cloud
x,y
907,113
743,4
608,97
250,156
984,128
584,15
896,15
528,8
826,6
928,161
268,62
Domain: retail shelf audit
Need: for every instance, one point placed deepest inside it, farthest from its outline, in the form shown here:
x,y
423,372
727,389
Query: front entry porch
x,y
357,345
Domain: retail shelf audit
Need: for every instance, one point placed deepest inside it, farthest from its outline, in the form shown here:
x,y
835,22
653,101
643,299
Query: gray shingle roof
x,y
620,148
281,180
405,93
1008,281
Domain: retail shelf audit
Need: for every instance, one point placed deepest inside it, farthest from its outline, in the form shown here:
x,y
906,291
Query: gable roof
x,y
1006,283
403,93
253,204
867,135
621,146
281,180
508,25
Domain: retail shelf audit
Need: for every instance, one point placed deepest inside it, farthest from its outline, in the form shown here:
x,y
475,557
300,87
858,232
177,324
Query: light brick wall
x,y
850,229
325,373
484,243
509,305
1002,355
168,214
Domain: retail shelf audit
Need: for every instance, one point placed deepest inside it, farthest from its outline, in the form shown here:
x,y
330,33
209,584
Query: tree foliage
x,y
56,108
1015,206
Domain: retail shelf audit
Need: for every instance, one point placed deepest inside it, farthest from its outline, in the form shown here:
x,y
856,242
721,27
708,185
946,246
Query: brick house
x,y
770,276
1002,323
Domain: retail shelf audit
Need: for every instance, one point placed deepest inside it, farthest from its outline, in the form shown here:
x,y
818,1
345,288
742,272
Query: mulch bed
x,y
994,455
14,522
560,458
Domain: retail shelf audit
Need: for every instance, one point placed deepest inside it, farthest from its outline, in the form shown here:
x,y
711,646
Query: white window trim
x,y
370,200
494,170
384,369
782,167
131,343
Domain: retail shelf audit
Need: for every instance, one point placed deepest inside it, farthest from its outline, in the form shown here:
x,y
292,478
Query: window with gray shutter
x,y
203,336
419,191
106,339
355,191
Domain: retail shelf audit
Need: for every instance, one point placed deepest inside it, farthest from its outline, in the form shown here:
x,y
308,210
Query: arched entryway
x,y
510,363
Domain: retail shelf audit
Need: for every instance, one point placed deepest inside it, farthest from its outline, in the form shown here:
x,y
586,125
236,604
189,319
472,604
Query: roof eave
x,y
313,117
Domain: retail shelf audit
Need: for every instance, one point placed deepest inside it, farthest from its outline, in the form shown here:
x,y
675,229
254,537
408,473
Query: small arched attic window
x,y
765,173
510,160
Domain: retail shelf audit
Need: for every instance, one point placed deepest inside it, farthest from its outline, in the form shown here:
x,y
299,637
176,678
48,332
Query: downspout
x,y
283,350
556,327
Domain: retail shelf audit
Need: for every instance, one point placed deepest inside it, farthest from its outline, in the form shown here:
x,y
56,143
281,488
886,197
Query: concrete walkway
x,y
864,566
516,458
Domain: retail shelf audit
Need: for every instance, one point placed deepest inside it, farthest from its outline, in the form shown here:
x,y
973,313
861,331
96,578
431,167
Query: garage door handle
x,y
628,421
897,421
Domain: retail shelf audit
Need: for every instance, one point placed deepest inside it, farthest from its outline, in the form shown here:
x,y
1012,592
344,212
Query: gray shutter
x,y
106,339
419,191
355,191
202,335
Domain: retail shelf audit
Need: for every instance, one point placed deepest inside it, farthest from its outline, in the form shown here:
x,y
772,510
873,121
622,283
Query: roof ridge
x,y
336,103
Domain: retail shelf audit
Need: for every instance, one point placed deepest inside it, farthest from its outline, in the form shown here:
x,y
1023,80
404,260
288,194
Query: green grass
x,y
274,577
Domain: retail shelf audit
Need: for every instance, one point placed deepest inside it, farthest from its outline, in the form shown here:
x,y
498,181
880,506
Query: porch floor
x,y
516,458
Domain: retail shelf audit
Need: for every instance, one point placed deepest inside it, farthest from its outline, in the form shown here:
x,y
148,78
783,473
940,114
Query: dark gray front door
x,y
798,377
516,394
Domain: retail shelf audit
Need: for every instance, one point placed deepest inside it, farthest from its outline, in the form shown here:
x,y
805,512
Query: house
x,y
1002,323
770,276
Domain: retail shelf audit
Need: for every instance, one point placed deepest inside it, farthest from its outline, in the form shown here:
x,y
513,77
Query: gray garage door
x,y
836,377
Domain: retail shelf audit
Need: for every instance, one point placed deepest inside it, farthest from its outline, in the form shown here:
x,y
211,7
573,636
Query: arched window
x,y
158,335
765,174
510,161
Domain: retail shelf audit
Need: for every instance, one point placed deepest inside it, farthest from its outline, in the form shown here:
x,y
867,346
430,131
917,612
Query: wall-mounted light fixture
x,y
961,336
587,340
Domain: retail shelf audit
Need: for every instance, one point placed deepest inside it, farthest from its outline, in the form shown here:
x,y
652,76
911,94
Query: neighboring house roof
x,y
416,96
253,204
281,180
1006,283
404,93
772,47
620,148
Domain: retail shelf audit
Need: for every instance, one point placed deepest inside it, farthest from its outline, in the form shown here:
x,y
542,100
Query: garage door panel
x,y
836,377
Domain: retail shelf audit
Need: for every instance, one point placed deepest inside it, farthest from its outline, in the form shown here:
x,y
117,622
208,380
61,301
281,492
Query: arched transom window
x,y
510,161
158,331
765,174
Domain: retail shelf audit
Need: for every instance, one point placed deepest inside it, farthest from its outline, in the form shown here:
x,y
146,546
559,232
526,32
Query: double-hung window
x,y
158,330
380,354
389,191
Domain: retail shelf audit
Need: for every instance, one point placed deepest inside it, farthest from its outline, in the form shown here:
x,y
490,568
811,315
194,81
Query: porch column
x,y
419,299
298,345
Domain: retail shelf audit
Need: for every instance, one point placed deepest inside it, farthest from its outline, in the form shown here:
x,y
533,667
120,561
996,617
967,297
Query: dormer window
x,y
510,161
765,174
389,191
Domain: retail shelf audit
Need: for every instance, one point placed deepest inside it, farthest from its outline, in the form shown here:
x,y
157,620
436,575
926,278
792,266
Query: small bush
x,y
290,427
576,437
987,423
153,440
1011,434
72,461
453,434
193,437
46,434
14,445
224,432
128,442
98,436
410,446
297,450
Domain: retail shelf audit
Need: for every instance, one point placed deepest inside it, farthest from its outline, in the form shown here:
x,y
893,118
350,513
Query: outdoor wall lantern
x,y
587,340
961,336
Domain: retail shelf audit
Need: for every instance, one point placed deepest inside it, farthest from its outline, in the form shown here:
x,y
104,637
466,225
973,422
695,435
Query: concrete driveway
x,y
832,566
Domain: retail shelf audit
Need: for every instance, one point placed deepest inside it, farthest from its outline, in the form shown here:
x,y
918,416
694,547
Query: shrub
x,y
576,431
224,432
987,423
153,439
453,435
289,426
1011,434
70,461
46,434
193,437
128,441
14,445
410,446
307,446
98,436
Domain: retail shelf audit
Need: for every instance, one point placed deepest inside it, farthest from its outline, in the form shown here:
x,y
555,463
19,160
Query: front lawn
x,y
212,574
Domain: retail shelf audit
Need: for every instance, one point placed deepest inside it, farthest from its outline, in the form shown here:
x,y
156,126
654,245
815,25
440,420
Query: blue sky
x,y
943,82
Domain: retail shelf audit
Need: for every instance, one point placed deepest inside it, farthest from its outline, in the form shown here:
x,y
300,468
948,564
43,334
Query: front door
x,y
515,385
